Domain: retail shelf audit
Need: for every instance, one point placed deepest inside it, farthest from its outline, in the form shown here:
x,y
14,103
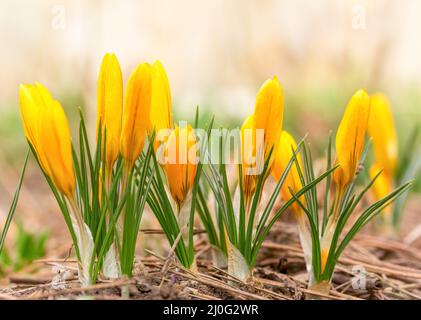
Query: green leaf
x,y
13,205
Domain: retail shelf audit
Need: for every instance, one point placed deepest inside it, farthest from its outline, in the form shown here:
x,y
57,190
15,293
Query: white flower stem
x,y
111,265
237,265
305,239
85,245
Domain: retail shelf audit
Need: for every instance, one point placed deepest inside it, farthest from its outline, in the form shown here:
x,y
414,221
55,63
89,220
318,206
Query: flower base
x,y
322,287
219,259
237,265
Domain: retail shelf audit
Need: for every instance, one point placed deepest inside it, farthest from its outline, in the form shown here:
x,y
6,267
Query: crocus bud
x,y
181,162
350,138
268,114
110,105
160,114
260,134
381,128
136,121
46,128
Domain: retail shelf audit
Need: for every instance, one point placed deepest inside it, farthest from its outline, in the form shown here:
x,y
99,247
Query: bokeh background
x,y
216,53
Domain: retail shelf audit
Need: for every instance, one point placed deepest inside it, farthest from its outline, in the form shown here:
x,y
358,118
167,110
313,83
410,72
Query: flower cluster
x,y
143,160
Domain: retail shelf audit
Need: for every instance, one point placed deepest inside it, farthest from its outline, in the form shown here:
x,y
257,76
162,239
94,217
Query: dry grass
x,y
393,271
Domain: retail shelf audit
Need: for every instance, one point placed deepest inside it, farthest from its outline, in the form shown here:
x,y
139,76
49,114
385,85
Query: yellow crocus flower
x,y
381,129
136,121
350,138
46,128
260,134
110,105
181,162
31,105
284,154
268,114
160,114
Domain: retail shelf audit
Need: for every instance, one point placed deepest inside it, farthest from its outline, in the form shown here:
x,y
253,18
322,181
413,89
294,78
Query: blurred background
x,y
216,53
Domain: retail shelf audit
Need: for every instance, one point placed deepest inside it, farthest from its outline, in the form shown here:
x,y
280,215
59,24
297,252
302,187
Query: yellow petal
x,y
324,255
251,158
350,138
268,114
32,105
383,184
30,111
285,152
110,105
47,130
381,128
136,121
161,114
260,135
56,142
181,162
